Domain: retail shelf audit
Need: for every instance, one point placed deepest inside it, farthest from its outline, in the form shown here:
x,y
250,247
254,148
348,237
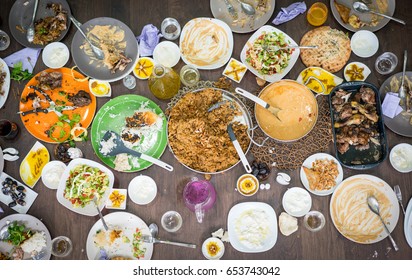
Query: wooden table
x,y
326,244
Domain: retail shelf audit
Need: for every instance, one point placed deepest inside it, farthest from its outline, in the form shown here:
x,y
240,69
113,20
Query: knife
x,y
239,150
399,196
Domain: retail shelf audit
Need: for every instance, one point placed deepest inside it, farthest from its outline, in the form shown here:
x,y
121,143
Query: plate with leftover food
x,y
252,227
4,82
350,212
402,123
140,123
51,22
84,185
321,173
29,237
123,240
357,125
318,80
54,102
333,48
235,70
118,44
197,130
264,58
352,20
32,165
206,43
238,20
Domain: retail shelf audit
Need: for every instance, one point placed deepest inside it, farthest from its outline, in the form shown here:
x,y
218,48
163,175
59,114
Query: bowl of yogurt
x,y
401,157
142,189
297,202
364,43
166,53
52,173
55,55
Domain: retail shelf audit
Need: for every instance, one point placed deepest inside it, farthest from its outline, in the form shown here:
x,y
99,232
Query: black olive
x,y
21,189
5,191
255,172
263,171
255,164
8,180
21,202
262,165
12,204
4,183
21,195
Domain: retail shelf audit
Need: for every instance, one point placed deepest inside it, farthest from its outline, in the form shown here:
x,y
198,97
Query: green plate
x,y
112,116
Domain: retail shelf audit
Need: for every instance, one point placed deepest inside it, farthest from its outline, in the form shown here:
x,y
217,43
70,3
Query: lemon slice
x,y
143,68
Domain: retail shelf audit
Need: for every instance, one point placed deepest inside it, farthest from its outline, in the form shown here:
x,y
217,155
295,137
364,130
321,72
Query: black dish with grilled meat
x,y
357,125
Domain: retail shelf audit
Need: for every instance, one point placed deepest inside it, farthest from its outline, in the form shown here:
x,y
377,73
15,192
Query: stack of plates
x,y
408,223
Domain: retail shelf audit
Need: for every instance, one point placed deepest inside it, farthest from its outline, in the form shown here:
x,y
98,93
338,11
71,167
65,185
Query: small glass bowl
x,y
61,246
314,221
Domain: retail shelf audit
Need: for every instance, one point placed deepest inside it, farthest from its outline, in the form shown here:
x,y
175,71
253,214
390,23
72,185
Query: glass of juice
x,y
317,14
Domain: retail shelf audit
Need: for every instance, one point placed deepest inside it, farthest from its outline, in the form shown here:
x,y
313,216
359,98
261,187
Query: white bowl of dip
x,y
401,157
55,55
166,53
52,173
142,189
364,43
297,202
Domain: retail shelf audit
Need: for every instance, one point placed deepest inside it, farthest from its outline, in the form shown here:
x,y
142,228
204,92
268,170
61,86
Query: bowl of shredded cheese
x,y
55,55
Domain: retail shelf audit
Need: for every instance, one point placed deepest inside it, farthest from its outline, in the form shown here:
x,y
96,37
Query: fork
x,y
230,8
151,239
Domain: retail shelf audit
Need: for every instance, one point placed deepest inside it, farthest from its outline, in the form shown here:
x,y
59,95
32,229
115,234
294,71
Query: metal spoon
x,y
152,238
4,231
374,207
97,51
402,91
30,30
100,214
246,8
398,193
259,101
362,8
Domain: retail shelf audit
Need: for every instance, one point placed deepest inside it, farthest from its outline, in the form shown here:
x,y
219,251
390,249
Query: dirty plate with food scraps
x,y
5,85
31,223
32,165
318,80
112,116
252,227
38,124
290,63
387,8
240,22
402,123
95,68
206,43
21,14
127,244
89,208
350,212
308,163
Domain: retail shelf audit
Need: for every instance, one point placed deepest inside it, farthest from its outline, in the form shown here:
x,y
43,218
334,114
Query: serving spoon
x,y
30,30
246,8
362,8
97,51
152,238
100,214
374,207
261,102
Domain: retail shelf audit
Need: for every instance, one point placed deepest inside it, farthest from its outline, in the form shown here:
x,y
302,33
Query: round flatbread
x,y
333,48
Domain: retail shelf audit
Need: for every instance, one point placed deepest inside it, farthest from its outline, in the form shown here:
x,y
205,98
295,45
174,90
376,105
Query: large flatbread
x,y
333,49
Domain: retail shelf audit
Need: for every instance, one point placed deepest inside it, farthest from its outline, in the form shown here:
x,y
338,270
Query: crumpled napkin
x,y
290,12
148,40
23,55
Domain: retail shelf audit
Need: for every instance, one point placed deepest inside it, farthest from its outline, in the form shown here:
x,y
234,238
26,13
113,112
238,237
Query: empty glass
x,y
61,246
8,129
129,81
386,63
171,221
4,40
314,221
170,28
189,75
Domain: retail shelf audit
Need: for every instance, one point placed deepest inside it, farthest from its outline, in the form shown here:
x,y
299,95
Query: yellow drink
x,y
317,14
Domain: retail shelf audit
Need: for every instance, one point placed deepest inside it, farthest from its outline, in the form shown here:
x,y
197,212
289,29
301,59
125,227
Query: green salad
x,y
265,56
84,183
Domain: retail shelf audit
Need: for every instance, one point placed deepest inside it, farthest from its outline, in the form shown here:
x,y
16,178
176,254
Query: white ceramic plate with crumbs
x,y
5,87
252,227
292,60
206,43
308,164
89,208
126,225
407,226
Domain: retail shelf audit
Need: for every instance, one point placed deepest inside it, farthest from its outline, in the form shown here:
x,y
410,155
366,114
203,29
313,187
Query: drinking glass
x,y
171,221
129,81
317,14
386,63
4,40
189,75
8,129
61,246
314,221
170,28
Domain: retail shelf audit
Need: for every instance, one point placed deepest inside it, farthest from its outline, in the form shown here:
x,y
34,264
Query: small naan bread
x,y
333,48
343,11
287,224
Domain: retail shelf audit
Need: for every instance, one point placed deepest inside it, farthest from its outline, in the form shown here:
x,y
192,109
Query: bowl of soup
x,y
298,111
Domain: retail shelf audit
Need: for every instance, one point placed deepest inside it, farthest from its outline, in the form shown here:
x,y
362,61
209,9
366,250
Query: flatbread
x,y
333,48
343,11
287,224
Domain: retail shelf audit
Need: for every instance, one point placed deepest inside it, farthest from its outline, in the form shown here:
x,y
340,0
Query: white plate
x,y
407,226
1,161
89,209
29,199
224,58
235,213
31,223
121,221
366,71
293,58
6,84
308,163
353,186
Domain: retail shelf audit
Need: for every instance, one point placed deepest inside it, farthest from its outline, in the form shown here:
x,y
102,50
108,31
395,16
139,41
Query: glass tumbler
x,y
170,29
61,246
386,63
4,40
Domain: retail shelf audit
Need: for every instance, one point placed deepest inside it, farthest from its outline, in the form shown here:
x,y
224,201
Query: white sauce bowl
x,y
55,55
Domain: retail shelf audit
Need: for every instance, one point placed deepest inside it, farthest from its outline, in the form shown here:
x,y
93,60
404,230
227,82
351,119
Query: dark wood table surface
x,y
326,244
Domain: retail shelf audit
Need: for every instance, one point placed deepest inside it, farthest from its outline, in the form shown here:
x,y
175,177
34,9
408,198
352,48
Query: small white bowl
x,y
142,189
55,55
401,157
51,173
297,202
100,85
219,244
364,43
366,71
166,53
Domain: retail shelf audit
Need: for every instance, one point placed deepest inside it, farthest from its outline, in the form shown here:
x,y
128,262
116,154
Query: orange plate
x,y
38,124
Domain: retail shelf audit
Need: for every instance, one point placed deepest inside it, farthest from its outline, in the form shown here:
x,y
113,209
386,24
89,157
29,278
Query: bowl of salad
x,y
264,58
81,182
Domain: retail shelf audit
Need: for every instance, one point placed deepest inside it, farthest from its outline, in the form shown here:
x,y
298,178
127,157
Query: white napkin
x,y
23,56
390,105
